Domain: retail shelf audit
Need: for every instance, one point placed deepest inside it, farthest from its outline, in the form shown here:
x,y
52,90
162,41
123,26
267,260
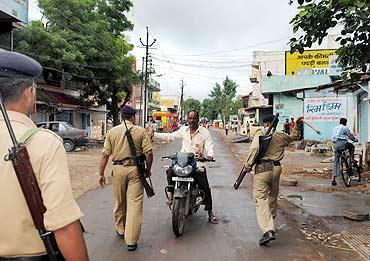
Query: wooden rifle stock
x,y
31,190
240,178
20,158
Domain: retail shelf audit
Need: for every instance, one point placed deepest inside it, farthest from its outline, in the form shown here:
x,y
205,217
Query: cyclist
x,y
342,138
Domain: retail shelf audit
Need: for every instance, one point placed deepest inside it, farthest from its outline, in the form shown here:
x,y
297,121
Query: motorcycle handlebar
x,y
197,159
169,157
204,160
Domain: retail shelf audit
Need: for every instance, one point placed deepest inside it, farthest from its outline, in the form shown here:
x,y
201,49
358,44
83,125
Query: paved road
x,y
235,238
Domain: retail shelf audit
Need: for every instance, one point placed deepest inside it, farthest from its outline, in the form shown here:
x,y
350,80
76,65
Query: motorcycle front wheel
x,y
178,216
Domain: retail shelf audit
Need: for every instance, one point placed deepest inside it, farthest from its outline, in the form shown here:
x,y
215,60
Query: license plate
x,y
182,179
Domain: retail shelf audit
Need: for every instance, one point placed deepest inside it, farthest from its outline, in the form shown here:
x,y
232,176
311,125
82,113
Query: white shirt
x,y
198,143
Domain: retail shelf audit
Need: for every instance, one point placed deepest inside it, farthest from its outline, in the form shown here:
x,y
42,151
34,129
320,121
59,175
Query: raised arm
x,y
294,135
170,136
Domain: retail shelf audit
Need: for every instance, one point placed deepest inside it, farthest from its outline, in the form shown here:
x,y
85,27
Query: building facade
x,y
12,13
57,100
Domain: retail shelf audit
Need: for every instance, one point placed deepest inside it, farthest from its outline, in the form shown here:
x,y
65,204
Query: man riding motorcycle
x,y
195,139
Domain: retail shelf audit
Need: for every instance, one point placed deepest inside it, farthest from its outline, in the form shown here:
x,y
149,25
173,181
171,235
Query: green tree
x,y
85,40
316,18
236,104
208,109
223,96
191,104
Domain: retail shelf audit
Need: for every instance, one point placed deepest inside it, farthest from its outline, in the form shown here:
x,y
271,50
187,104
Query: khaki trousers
x,y
128,210
265,194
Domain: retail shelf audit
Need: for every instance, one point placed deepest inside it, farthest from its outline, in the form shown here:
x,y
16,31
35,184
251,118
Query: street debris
x,y
313,170
241,139
289,182
164,251
328,160
295,196
356,216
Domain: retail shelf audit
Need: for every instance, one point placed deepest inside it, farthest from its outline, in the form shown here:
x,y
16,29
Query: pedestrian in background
x,y
226,128
19,239
291,125
287,126
127,187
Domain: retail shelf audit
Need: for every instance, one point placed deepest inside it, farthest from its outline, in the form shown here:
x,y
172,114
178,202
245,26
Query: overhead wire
x,y
202,66
193,74
232,50
201,61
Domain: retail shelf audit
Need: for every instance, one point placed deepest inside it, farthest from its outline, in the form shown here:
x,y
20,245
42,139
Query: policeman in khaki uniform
x,y
127,187
267,176
19,237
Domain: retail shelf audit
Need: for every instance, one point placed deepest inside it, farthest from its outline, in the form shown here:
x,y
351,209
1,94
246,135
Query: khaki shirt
x,y
275,150
117,145
18,235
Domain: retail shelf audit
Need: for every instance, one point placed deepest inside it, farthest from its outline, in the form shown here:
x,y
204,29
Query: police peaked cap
x,y
128,110
16,65
269,118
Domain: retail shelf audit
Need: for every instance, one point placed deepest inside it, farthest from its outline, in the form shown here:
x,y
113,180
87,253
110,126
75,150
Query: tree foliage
x,y
316,18
208,109
236,104
85,40
222,97
191,104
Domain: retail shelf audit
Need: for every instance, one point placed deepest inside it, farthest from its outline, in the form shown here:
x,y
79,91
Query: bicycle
x,y
350,170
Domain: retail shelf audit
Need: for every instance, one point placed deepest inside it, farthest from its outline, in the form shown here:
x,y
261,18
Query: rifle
x,y
20,158
140,165
264,142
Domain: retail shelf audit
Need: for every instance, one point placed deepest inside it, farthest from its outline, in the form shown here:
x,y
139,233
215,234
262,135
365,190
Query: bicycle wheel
x,y
345,170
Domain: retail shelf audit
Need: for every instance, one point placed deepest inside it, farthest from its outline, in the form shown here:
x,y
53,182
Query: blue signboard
x,y
15,8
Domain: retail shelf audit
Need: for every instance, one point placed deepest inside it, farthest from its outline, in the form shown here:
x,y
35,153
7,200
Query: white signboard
x,y
325,109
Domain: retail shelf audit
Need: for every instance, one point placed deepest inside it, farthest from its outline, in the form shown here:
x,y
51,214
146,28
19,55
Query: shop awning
x,y
349,85
58,99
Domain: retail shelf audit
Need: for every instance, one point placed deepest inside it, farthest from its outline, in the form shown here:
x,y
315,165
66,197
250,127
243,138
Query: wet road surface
x,y
234,238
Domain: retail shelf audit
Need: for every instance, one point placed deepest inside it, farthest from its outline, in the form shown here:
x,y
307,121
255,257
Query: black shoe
x,y
333,183
131,247
119,235
267,237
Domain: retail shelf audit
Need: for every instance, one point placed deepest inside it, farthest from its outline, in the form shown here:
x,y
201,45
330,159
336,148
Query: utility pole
x,y
141,116
146,80
182,101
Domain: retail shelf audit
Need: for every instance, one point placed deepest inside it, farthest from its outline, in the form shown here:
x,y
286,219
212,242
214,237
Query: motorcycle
x,y
187,196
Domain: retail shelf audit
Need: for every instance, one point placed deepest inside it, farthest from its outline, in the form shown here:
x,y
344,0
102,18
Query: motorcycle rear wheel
x,y
178,216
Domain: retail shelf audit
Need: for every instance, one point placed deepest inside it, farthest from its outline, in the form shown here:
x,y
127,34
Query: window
x,y
54,127
62,128
42,126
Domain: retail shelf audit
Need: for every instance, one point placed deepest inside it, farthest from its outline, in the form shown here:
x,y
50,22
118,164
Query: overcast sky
x,y
197,37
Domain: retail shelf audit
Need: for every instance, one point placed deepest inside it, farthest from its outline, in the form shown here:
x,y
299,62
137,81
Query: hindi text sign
x,y
325,109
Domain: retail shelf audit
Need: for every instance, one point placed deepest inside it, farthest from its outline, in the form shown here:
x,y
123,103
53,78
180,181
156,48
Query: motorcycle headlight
x,y
185,171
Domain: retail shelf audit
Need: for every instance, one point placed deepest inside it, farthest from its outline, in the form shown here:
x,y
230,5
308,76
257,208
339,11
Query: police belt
x,y
262,161
25,258
125,162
